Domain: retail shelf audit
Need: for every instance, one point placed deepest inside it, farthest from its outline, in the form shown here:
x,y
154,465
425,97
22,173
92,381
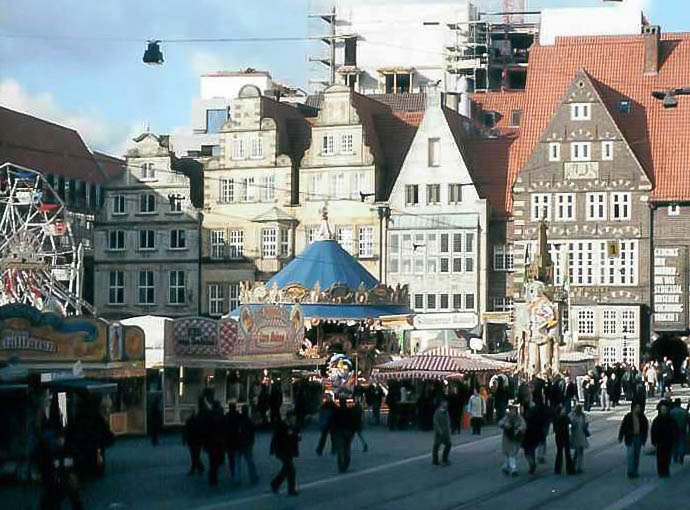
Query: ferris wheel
x,y
40,264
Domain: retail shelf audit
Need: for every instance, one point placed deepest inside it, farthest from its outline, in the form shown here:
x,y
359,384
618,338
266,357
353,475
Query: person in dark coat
x,y
680,416
328,409
537,421
231,424
633,430
214,444
392,401
664,435
262,404
192,436
156,419
343,430
244,447
570,394
285,447
500,399
442,431
376,401
358,423
454,410
561,429
276,401
59,482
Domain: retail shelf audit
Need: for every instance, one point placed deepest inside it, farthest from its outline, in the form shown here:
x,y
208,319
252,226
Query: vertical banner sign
x,y
670,287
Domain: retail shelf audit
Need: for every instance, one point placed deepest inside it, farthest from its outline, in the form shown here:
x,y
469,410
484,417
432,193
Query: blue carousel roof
x,y
325,262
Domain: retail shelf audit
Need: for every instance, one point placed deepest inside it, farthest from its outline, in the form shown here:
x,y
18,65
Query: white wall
x,y
614,20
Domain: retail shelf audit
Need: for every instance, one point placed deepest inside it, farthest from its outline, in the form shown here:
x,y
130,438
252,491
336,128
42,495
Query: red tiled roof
x,y
656,135
40,145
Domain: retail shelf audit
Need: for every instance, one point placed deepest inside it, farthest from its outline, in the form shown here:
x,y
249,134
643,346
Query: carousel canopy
x,y
327,263
341,312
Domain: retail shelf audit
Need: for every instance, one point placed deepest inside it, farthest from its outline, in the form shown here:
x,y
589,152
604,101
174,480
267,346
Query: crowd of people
x,y
525,412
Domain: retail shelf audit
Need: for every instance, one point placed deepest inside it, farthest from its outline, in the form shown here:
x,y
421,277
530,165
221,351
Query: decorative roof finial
x,y
324,233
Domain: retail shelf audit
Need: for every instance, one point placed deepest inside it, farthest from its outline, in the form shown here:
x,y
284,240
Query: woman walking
x,y
579,425
476,408
513,426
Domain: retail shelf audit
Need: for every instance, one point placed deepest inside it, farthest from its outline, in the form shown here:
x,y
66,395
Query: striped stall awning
x,y
419,375
440,364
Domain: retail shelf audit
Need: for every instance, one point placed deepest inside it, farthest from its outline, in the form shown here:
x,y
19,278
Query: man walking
x,y
326,414
343,433
561,428
634,430
192,436
664,436
513,426
680,416
285,447
214,442
441,433
244,446
231,424
537,420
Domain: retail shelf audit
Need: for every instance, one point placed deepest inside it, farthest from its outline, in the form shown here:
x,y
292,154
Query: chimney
x,y
652,45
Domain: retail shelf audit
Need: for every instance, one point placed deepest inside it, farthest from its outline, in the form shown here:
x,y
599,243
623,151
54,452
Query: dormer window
x,y
148,172
554,151
625,106
580,111
515,117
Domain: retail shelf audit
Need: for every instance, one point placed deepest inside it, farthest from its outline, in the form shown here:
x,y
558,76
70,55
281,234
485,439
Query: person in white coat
x,y
476,407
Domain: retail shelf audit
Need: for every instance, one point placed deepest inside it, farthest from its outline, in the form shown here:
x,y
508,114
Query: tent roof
x,y
327,263
343,312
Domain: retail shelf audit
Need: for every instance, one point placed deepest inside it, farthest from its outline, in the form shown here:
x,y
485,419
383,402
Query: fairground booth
x,y
67,369
324,305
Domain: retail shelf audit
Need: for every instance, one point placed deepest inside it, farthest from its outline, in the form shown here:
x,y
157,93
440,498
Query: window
x,y
431,301
433,194
457,264
284,242
469,301
217,244
434,151
596,206
581,151
457,242
366,242
147,239
445,247
234,296
175,201
444,301
554,151
457,301
411,194
469,264
268,190
565,206
119,206
609,355
248,189
445,265
454,193
585,322
337,185
628,326
609,322
346,144
311,233
589,262
607,151
620,206
146,288
178,240
469,243
148,172
176,287
327,145
315,184
674,210
227,191
580,111
236,244
419,301
116,240
215,120
515,118
625,106
116,288
360,183
269,242
345,236
257,148
541,206
503,257
215,299
237,149
147,203
502,304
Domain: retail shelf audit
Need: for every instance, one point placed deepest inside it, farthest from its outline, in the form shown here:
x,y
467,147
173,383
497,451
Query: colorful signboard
x,y
270,329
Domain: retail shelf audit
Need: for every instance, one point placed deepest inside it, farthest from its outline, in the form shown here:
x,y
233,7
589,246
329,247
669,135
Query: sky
x,y
78,62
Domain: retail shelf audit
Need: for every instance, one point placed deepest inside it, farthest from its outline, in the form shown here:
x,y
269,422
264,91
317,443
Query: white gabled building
x,y
437,237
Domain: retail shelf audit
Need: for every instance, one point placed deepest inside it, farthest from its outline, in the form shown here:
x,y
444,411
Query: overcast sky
x,y
86,71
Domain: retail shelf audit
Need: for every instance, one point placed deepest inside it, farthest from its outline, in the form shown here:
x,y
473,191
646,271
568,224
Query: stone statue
x,y
537,331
